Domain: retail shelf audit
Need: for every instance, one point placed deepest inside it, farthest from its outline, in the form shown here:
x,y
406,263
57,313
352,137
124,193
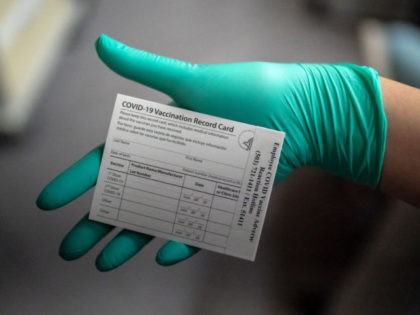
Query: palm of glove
x,y
256,93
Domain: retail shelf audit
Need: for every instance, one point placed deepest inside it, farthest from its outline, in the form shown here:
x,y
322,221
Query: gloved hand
x,y
332,115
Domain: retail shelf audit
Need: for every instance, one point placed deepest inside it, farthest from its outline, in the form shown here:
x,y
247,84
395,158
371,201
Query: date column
x,y
194,208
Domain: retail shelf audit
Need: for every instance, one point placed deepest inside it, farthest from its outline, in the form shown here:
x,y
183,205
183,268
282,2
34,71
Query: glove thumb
x,y
161,73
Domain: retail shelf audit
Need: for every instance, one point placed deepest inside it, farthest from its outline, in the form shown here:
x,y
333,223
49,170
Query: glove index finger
x,y
73,182
158,72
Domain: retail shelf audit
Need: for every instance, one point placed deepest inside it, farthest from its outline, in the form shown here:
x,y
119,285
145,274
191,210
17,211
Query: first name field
x,y
186,176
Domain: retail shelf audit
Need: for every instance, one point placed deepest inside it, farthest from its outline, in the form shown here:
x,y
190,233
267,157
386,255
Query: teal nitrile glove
x,y
332,115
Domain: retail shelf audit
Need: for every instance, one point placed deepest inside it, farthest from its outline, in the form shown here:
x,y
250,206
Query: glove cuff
x,y
359,125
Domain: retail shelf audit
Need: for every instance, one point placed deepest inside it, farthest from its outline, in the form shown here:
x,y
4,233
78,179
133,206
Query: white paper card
x,y
185,176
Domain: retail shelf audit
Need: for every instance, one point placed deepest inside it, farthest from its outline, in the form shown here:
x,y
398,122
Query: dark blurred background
x,y
328,247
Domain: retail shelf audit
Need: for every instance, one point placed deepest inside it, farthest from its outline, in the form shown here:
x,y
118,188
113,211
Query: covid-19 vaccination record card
x,y
185,176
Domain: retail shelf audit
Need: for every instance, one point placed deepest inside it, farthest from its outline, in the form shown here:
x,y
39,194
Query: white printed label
x,y
185,176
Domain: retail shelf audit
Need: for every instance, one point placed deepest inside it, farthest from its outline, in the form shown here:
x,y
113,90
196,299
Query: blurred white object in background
x,y
32,35
14,16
